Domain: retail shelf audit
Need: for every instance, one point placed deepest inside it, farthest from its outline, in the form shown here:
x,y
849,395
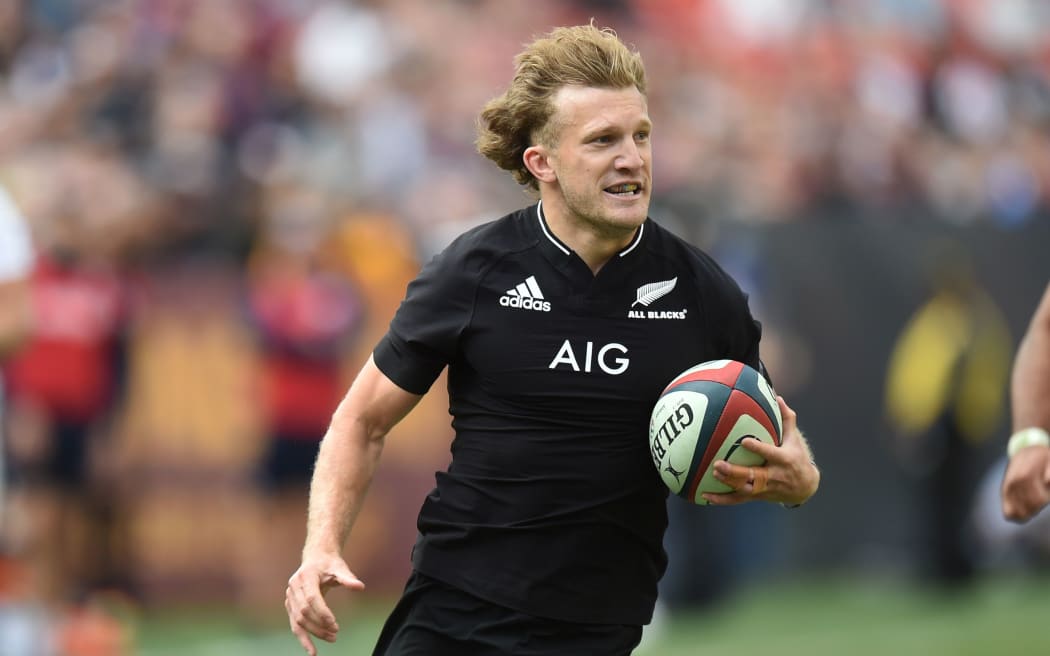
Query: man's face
x,y
603,158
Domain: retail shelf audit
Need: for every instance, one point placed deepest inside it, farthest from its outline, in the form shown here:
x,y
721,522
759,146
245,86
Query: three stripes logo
x,y
526,296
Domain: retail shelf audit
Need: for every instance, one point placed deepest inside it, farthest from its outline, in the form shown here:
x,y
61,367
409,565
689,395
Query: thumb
x,y
341,575
788,417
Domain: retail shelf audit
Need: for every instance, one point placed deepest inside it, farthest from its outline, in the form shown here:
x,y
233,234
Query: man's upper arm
x,y
376,401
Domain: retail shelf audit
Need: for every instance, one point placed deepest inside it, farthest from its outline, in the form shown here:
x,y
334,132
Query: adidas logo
x,y
526,295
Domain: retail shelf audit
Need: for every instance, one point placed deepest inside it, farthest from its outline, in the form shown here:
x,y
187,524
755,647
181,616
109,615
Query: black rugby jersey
x,y
551,504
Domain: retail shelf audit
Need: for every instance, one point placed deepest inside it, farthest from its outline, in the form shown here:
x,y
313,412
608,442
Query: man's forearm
x,y
349,455
1030,380
345,465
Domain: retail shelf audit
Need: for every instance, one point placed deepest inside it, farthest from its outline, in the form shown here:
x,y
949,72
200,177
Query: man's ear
x,y
537,161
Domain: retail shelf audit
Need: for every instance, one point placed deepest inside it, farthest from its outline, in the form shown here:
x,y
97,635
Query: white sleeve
x,y
16,252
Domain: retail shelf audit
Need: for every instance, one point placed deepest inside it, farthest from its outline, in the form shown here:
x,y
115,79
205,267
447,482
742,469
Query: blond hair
x,y
582,55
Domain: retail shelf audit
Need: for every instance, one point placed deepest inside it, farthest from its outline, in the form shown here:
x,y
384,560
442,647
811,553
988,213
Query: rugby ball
x,y
702,416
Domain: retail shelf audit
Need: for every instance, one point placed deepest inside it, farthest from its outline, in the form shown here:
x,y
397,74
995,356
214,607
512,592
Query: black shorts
x,y
436,619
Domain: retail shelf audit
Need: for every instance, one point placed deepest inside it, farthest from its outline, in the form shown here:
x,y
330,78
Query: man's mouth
x,y
628,189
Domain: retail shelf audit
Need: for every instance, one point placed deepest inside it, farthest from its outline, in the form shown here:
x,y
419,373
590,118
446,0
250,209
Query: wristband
x,y
1025,438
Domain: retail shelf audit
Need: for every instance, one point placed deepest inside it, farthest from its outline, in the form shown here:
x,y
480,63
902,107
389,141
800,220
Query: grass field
x,y
997,617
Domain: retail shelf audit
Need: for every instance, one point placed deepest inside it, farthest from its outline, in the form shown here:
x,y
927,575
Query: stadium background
x,y
842,159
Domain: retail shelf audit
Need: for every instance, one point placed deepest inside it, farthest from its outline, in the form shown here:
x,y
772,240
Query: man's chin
x,y
629,217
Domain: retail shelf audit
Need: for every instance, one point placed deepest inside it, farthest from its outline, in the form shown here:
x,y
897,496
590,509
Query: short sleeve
x,y
736,333
424,334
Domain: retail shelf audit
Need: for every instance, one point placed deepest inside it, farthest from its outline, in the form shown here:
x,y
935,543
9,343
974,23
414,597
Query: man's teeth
x,y
624,189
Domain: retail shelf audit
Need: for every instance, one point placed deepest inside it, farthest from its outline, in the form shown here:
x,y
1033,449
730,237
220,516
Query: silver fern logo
x,y
653,291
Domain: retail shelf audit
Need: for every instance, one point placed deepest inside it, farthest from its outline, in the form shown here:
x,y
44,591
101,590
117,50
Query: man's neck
x,y
593,245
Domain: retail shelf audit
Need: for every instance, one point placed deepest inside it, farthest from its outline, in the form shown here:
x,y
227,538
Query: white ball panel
x,y
673,431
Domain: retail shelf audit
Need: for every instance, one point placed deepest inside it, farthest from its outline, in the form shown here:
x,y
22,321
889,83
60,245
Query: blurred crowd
x,y
173,126
227,197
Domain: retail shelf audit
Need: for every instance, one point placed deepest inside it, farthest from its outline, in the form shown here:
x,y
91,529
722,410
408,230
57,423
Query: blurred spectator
x,y
945,397
63,390
20,621
305,314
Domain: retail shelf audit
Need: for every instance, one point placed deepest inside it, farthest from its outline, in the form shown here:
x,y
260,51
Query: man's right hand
x,y
308,613
1026,484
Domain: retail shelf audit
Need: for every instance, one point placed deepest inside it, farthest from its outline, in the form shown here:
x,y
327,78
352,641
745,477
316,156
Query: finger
x,y
735,476
304,640
726,469
345,579
760,481
1017,512
307,609
319,620
758,447
306,597
788,416
299,632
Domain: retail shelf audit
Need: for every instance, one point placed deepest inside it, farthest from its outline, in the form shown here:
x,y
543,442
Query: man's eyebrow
x,y
605,126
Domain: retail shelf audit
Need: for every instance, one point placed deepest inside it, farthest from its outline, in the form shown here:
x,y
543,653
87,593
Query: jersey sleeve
x,y
424,333
744,333
735,331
